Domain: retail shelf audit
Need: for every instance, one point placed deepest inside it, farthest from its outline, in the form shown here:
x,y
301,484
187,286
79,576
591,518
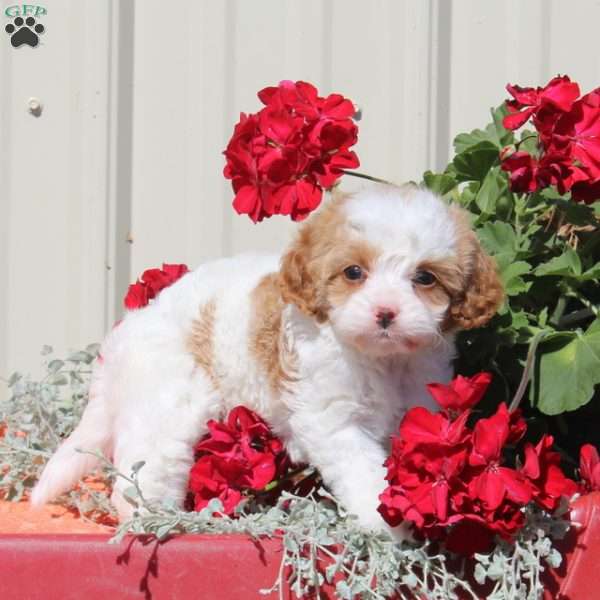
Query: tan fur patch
x,y
312,270
201,342
267,341
449,281
482,292
350,252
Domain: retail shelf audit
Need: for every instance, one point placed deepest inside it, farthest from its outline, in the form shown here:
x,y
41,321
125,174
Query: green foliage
x,y
36,417
548,252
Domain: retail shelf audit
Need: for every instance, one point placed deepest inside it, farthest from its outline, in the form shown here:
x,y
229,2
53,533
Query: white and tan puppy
x,y
330,343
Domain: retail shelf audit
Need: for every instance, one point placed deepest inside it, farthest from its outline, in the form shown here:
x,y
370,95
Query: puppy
x,y
330,343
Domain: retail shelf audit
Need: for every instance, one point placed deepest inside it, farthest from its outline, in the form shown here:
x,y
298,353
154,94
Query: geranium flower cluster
x,y
452,482
151,283
237,457
568,128
280,159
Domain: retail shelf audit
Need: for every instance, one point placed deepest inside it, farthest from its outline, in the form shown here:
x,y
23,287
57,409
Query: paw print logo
x,y
24,31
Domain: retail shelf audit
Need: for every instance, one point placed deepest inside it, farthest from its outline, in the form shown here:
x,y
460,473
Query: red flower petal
x,y
137,296
462,392
515,120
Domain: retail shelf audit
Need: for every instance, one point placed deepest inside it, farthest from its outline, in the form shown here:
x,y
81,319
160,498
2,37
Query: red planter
x,y
75,566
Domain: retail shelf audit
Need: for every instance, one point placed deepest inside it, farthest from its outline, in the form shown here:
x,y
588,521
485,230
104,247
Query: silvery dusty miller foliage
x,y
319,538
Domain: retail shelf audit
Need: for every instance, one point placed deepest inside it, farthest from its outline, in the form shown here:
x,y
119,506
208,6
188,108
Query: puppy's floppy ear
x,y
482,293
298,281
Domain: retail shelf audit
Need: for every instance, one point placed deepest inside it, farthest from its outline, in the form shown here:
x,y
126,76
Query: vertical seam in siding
x,y
230,43
120,156
440,67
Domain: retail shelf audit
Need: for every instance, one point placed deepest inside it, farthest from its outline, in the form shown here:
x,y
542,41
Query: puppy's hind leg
x,y
164,439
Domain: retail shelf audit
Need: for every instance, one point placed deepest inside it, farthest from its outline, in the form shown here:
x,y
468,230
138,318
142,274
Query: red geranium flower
x,y
569,140
451,482
494,481
280,159
580,129
240,454
462,392
589,469
558,95
151,283
542,468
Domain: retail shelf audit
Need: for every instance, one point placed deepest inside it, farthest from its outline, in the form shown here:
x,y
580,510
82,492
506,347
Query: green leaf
x,y
58,379
474,163
569,368
591,274
528,142
568,263
519,320
465,141
500,240
503,135
493,187
81,356
511,277
55,365
495,133
440,183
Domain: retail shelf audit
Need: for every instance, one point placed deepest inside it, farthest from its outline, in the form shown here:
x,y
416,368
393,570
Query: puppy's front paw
x,y
401,533
372,522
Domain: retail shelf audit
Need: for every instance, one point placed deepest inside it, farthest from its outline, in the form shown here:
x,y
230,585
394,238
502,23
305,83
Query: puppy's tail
x,y
67,466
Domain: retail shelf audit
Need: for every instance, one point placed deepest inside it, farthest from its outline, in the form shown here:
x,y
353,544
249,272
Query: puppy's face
x,y
390,270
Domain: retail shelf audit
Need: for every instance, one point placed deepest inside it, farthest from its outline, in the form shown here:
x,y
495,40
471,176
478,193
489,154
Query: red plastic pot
x,y
75,566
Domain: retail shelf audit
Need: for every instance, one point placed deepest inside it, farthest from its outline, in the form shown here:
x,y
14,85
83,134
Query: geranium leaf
x,y
499,239
568,263
569,368
440,183
592,273
465,141
474,163
511,277
503,135
494,186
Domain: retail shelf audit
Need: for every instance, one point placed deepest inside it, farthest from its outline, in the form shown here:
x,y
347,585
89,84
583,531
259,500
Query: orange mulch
x,y
20,517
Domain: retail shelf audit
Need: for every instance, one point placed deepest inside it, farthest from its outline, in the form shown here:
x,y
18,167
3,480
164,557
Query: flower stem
x,y
537,338
365,176
527,137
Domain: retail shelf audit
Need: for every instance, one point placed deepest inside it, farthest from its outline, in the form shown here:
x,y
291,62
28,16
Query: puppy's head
x,y
390,269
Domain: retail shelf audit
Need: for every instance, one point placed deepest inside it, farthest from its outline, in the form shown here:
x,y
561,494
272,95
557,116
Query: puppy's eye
x,y
424,278
354,273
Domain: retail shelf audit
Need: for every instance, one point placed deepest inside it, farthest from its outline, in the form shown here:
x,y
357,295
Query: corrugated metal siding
x,y
122,170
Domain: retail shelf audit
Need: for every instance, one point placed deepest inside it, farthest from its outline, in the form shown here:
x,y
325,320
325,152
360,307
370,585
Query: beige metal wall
x,y
122,169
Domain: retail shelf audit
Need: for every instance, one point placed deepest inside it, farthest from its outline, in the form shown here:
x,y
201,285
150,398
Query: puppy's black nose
x,y
385,318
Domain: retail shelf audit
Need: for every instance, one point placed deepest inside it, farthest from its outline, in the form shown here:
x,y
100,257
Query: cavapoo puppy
x,y
330,343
